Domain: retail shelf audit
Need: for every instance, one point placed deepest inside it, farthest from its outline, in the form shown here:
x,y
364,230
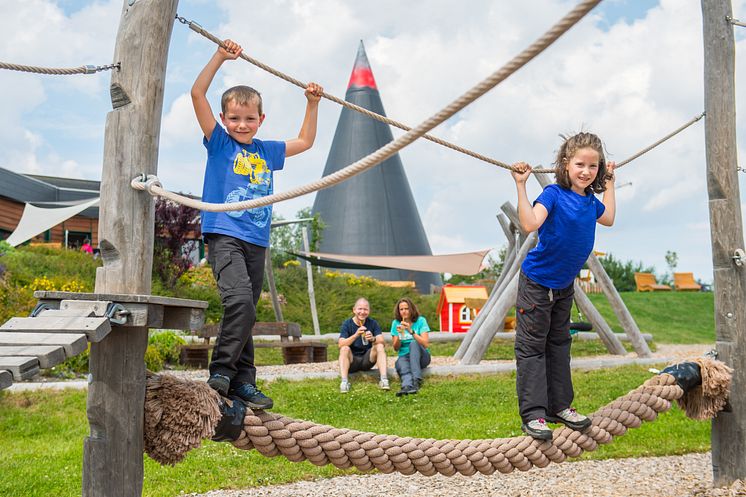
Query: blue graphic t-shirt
x,y
566,237
236,172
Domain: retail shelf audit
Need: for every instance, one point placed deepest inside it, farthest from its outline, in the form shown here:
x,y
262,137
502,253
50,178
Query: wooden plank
x,y
48,355
22,368
284,328
726,231
183,318
94,328
122,298
72,343
6,379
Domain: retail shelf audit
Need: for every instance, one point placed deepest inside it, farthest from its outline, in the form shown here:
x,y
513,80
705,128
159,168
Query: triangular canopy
x,y
37,220
467,263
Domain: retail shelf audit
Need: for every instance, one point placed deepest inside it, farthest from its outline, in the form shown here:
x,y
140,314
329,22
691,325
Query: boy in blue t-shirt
x,y
239,167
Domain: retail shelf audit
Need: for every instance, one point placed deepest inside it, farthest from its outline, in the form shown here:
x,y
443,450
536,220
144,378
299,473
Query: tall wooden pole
x,y
113,452
272,287
726,231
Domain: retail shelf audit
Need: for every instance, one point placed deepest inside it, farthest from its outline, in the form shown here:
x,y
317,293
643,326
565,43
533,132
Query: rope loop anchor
x,y
146,182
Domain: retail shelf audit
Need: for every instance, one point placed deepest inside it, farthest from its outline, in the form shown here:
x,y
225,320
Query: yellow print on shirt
x,y
253,166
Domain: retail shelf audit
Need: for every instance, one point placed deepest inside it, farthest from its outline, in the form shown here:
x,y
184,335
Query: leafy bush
x,y
177,229
168,344
153,359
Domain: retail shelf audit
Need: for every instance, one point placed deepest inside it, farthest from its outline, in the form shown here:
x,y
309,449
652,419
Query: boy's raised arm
x,y
202,109
307,134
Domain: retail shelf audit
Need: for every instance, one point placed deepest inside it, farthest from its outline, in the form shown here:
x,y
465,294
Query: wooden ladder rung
x,y
95,328
73,343
22,368
48,355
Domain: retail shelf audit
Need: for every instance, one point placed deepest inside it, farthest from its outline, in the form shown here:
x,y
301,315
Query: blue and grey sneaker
x,y
220,383
253,397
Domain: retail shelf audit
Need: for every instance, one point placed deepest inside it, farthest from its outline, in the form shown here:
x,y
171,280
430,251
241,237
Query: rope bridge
x,y
180,413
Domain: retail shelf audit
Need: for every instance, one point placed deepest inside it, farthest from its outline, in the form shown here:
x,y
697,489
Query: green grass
x,y
42,433
671,317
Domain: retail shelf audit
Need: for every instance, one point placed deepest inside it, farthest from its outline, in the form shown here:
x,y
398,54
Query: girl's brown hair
x,y
414,314
569,148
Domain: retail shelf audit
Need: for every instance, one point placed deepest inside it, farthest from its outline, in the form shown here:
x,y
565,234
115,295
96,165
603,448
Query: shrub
x,y
168,344
153,359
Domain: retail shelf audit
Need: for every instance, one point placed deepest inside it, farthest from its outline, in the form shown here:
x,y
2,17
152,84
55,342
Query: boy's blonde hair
x,y
242,95
569,148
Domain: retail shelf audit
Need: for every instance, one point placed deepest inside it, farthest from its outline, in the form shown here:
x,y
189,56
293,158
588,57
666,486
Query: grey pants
x,y
410,366
542,349
238,267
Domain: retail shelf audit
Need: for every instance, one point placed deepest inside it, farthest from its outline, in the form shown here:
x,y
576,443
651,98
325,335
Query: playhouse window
x,y
465,315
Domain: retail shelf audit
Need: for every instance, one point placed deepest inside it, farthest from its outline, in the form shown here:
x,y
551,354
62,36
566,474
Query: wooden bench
x,y
646,283
294,350
685,282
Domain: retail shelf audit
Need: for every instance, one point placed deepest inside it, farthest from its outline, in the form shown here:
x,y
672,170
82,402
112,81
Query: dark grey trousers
x,y
542,349
410,366
238,267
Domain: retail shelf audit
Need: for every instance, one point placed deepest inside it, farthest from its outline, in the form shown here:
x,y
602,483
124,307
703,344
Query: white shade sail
x,y
37,220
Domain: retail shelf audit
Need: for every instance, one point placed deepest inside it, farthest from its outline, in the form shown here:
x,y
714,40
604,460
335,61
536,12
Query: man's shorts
x,y
361,362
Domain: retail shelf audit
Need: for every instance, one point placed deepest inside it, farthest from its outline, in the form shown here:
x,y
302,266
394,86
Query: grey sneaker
x,y
571,418
537,428
384,384
344,386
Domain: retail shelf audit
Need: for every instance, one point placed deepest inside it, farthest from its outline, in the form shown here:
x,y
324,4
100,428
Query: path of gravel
x,y
678,476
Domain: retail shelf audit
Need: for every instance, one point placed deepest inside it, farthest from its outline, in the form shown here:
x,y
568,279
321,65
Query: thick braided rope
x,y
276,435
362,110
58,71
393,147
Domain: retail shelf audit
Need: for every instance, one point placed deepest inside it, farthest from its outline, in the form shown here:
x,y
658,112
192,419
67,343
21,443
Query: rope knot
x,y
146,182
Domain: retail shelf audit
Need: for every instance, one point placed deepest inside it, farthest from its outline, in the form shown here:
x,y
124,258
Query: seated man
x,y
361,346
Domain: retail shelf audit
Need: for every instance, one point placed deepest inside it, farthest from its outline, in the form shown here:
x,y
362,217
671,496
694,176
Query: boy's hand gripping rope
x,y
393,147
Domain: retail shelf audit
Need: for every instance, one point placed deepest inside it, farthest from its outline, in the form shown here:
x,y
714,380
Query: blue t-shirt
x,y
565,239
236,172
418,328
349,328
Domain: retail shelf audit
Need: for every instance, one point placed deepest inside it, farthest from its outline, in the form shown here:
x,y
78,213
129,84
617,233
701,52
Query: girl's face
x,y
404,311
582,168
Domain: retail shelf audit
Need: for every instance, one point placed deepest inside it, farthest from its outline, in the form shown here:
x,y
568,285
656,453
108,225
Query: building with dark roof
x,y
48,191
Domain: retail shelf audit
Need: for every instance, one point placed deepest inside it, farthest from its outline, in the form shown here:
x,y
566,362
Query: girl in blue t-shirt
x,y
409,334
565,214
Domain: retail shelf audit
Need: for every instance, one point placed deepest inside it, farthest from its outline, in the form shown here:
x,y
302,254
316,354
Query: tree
x,y
623,273
288,238
177,233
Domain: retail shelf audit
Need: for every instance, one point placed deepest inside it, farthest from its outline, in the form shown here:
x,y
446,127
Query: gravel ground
x,y
689,475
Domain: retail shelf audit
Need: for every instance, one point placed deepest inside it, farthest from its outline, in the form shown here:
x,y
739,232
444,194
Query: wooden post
x,y
605,333
272,287
726,231
311,294
470,345
113,452
619,308
483,337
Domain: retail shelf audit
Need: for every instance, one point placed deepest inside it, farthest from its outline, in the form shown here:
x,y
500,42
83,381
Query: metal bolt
x,y
729,315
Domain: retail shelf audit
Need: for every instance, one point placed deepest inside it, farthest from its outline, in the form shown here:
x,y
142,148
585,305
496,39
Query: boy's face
x,y
241,121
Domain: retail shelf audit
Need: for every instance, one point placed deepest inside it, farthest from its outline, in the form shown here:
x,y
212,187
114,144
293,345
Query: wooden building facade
x,y
47,191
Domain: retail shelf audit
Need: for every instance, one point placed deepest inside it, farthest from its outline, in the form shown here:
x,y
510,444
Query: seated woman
x,y
409,333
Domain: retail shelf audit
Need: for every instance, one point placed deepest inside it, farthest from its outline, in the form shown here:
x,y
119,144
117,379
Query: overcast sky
x,y
631,72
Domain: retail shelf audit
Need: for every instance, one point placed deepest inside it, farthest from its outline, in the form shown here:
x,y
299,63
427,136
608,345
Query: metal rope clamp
x,y
117,313
739,257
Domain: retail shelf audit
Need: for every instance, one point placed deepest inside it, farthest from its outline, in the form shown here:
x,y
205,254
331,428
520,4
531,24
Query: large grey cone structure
x,y
373,213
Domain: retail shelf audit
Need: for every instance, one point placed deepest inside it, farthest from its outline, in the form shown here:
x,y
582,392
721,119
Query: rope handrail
x,y
152,184
349,105
154,187
59,71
